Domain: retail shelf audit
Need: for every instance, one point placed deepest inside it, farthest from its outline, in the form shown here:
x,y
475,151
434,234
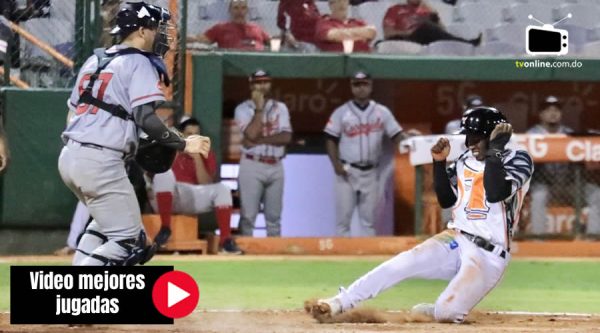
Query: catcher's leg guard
x,y
95,249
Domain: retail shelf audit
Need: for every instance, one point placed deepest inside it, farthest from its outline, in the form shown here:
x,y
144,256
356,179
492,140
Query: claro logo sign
x,y
560,148
583,151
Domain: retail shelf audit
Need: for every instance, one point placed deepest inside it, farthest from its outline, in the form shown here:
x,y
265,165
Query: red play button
x,y
175,294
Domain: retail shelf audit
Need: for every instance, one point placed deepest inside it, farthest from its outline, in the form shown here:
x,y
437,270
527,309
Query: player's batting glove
x,y
163,236
498,140
195,144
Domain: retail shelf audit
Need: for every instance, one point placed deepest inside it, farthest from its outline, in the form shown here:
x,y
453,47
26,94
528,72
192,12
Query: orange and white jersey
x,y
472,212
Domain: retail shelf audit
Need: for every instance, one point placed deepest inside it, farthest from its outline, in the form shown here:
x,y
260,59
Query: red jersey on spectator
x,y
406,17
247,36
303,14
326,23
184,167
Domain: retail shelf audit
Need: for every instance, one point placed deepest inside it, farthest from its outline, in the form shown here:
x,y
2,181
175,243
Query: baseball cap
x,y
259,75
187,122
551,100
361,76
472,101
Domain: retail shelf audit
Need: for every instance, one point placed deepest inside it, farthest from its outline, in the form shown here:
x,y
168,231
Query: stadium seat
x,y
266,16
399,47
512,33
63,9
444,10
372,13
591,50
518,13
578,35
52,31
201,26
218,10
464,30
500,49
482,13
583,15
449,48
323,7
196,11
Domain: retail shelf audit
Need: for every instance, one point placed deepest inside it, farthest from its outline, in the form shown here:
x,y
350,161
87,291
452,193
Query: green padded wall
x,y
33,194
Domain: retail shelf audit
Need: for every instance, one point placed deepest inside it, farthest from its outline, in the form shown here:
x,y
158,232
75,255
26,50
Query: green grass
x,y
527,286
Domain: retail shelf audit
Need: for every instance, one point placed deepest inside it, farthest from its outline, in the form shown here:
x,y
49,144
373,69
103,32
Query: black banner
x,y
84,295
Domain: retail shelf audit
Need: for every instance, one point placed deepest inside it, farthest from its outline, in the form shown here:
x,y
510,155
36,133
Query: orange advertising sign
x,y
561,148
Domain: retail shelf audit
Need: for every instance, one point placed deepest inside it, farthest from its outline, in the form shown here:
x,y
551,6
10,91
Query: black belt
x,y
482,243
362,167
92,145
97,147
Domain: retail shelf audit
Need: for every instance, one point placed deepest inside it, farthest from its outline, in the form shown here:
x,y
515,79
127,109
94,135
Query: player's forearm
x,y
201,38
358,33
332,150
441,184
497,187
280,139
146,118
396,139
254,129
204,178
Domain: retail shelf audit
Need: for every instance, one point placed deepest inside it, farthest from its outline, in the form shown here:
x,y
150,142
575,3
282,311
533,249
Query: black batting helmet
x,y
134,15
481,120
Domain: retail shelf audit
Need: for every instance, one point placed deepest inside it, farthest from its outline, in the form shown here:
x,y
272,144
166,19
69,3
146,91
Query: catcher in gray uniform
x,y
116,92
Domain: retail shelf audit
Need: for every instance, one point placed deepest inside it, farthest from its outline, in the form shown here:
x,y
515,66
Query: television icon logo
x,y
546,40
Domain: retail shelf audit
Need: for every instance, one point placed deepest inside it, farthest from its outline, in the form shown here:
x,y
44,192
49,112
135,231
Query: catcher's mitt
x,y
154,157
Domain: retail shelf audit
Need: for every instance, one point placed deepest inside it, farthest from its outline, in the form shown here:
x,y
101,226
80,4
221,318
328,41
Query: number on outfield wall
x,y
325,244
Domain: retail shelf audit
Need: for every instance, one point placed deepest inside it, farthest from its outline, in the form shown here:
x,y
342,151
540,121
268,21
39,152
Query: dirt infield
x,y
299,322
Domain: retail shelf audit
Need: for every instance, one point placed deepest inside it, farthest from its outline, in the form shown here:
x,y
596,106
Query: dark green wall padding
x,y
33,194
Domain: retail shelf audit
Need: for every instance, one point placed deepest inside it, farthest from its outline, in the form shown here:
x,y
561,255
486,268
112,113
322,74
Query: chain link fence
x,y
44,42
563,201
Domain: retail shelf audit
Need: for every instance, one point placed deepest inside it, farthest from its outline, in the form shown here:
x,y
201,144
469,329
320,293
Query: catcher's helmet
x,y
481,120
140,14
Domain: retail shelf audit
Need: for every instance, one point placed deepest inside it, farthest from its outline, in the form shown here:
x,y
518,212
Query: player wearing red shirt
x,y
237,33
189,188
303,14
417,22
333,29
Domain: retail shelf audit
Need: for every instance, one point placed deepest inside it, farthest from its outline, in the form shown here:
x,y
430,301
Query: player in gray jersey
x,y
116,93
355,132
265,125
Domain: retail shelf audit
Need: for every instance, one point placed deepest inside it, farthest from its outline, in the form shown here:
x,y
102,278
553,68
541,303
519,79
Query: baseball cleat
x,y
423,309
230,247
328,307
